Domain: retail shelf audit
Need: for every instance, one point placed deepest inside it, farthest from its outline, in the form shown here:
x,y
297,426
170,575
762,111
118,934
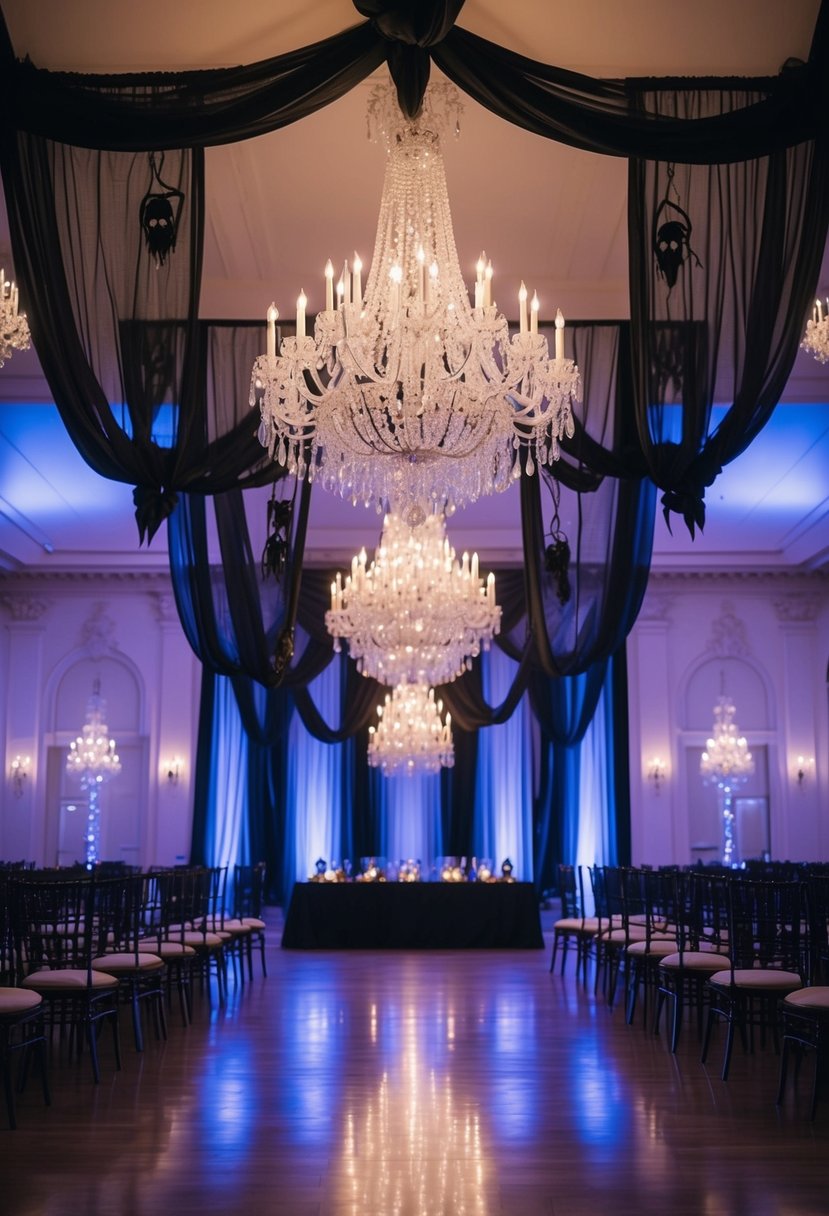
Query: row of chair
x,y
76,946
751,953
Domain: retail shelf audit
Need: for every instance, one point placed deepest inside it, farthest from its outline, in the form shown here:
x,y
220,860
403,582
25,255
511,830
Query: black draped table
x,y
413,916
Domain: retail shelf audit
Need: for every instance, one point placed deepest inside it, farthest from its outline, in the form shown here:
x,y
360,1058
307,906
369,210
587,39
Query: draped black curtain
x,y
724,261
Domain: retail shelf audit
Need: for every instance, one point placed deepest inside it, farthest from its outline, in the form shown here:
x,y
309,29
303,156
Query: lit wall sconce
x,y
172,768
657,772
803,768
19,773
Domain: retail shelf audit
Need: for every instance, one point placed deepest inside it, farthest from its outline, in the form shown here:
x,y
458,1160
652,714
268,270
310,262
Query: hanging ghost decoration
x,y
160,213
672,236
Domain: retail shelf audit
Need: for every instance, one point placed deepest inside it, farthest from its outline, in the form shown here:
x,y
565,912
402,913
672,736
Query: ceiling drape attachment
x,y
410,27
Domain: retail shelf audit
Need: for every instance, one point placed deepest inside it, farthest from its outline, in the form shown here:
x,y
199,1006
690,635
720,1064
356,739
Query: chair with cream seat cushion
x,y
57,934
655,900
572,925
767,961
248,906
804,1016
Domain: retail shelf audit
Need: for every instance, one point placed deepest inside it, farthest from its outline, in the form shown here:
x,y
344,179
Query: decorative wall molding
x,y
656,605
25,607
166,612
728,637
98,632
797,606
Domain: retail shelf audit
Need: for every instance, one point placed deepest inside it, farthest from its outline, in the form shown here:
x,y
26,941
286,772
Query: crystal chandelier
x,y
816,338
407,395
93,758
726,763
14,328
409,736
415,614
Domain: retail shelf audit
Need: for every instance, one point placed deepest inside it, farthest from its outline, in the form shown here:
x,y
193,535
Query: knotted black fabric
x,y
411,27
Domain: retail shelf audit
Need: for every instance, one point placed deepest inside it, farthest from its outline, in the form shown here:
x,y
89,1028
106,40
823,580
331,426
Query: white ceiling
x,y
280,205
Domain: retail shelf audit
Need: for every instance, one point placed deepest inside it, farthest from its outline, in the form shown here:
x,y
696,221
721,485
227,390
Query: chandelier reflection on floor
x,y
415,614
726,763
14,328
409,736
93,758
407,396
816,338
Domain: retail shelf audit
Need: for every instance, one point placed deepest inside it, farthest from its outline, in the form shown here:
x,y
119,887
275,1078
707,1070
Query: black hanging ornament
x,y
672,237
557,553
160,212
278,541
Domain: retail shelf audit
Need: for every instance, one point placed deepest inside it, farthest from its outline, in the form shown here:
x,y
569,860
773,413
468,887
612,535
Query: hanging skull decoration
x,y
159,214
672,237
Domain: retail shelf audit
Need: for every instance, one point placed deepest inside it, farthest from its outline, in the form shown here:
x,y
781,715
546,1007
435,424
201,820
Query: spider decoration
x,y
278,541
672,237
160,212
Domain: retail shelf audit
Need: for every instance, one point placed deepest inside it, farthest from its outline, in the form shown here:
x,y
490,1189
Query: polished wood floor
x,y
430,1084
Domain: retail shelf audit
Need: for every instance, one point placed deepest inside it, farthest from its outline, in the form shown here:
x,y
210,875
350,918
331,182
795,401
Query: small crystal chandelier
x,y
93,758
14,328
407,395
816,338
726,763
415,614
410,736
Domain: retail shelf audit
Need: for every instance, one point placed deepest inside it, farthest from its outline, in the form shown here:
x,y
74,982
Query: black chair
x,y
701,948
21,1015
248,906
656,895
57,934
804,1014
766,962
572,926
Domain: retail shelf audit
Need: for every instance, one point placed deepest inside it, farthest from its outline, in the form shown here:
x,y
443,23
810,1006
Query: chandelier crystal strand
x,y
14,327
409,736
408,396
415,614
816,338
93,758
726,763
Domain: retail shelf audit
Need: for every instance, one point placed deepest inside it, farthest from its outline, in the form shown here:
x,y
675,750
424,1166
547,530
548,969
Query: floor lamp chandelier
x,y
415,614
726,763
93,758
410,736
14,328
408,396
816,338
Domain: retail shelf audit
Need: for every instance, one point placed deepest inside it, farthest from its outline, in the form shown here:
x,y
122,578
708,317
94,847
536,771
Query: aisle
x,y
413,1084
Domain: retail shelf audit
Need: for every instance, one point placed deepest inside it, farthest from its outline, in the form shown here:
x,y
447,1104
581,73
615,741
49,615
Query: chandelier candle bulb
x,y
522,309
272,316
819,308
301,304
559,334
534,306
488,285
357,279
329,286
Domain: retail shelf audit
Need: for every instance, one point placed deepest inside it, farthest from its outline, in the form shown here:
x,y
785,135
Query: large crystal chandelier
x,y
409,736
93,758
14,328
726,763
415,614
816,338
407,395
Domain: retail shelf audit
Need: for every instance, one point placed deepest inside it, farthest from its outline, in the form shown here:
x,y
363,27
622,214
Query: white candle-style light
x,y
272,316
301,304
559,334
329,286
356,279
522,308
534,307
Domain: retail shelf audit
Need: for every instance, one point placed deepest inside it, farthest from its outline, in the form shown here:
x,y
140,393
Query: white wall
x,y
767,638
59,635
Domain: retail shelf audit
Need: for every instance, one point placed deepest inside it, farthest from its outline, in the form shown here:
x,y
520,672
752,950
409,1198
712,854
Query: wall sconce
x,y
657,772
18,773
172,768
803,767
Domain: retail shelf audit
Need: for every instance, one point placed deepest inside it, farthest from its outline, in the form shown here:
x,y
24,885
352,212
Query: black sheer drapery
x,y
131,368
192,109
717,316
